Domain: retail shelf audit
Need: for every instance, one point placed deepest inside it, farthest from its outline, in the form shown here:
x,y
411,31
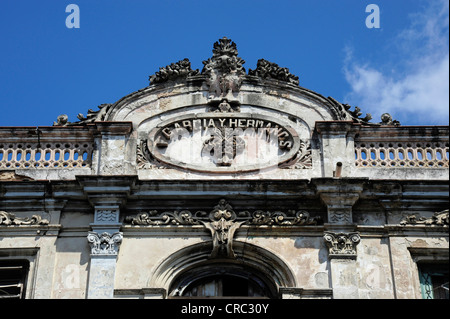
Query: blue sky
x,y
47,69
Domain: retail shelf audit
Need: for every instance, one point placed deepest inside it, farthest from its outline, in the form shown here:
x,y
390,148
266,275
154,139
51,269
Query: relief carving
x,y
225,142
438,219
223,145
8,219
107,216
224,70
302,160
225,107
223,222
153,218
92,116
105,243
174,71
222,226
145,160
265,69
342,244
340,216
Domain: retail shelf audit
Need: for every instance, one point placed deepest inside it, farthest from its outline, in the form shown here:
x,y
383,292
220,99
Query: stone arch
x,y
192,262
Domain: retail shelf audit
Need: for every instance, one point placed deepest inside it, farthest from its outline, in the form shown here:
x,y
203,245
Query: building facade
x,y
224,182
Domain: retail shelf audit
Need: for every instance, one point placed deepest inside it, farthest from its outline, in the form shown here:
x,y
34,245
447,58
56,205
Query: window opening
x,y
13,276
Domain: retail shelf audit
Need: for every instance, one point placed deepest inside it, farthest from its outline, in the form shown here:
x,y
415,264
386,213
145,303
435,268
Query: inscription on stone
x,y
223,142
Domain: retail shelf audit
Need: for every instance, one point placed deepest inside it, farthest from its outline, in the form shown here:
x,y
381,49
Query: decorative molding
x,y
172,72
438,219
92,116
104,243
340,216
356,113
224,144
257,218
225,107
292,218
265,69
223,222
8,219
106,216
302,160
213,141
224,74
145,159
222,226
175,218
344,112
342,244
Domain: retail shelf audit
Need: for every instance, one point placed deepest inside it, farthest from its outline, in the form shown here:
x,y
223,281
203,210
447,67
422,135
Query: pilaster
x,y
107,194
340,235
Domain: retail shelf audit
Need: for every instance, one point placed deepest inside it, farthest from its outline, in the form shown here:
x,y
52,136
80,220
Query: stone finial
x,y
224,70
174,71
386,119
265,69
61,120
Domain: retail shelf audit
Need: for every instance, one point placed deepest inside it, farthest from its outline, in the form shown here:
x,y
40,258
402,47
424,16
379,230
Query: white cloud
x,y
420,94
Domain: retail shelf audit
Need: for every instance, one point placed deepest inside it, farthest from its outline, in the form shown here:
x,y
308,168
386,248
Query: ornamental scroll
x,y
223,222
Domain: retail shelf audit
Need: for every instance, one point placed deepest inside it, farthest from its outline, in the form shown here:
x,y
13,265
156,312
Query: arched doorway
x,y
190,273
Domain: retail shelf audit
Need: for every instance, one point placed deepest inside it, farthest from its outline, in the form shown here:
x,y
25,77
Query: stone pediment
x,y
223,118
223,78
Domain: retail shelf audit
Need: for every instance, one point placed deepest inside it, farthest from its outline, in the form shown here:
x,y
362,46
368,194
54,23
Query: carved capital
x,y
104,243
342,245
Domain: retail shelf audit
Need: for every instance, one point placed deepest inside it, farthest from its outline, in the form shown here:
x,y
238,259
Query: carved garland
x,y
257,218
222,222
265,69
438,219
174,71
9,219
302,160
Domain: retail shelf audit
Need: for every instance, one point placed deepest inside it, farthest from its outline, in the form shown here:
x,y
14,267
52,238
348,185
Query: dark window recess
x,y
225,286
434,281
13,276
